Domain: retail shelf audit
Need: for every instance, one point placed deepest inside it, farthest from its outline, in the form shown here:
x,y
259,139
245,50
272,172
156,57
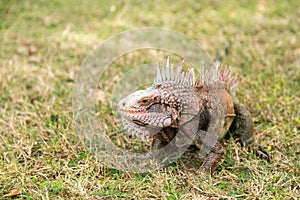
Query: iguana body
x,y
204,109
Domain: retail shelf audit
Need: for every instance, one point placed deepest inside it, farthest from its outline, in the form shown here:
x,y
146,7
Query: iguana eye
x,y
144,102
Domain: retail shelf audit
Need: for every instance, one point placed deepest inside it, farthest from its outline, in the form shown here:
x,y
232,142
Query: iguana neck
x,y
180,100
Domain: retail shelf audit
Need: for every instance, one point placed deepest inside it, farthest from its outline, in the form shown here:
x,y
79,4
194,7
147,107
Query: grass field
x,y
42,45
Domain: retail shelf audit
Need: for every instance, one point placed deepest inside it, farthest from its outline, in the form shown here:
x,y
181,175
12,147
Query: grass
x,y
43,44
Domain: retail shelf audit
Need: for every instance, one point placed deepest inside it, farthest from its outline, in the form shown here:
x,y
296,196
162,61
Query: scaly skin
x,y
203,109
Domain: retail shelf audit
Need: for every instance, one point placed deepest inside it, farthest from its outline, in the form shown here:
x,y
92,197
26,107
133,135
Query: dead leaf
x,y
13,192
32,49
34,59
24,41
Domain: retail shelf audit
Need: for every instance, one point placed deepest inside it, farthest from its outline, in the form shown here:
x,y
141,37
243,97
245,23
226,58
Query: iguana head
x,y
144,107
167,103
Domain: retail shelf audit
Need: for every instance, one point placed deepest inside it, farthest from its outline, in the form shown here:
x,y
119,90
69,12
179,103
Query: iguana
x,y
204,109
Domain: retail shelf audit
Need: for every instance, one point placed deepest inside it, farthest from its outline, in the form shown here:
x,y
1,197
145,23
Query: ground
x,y
43,44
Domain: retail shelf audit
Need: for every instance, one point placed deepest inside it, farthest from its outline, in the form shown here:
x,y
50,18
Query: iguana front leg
x,y
211,150
210,147
164,149
242,125
164,137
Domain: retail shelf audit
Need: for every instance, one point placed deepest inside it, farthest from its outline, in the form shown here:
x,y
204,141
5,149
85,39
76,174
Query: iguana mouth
x,y
138,122
134,111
